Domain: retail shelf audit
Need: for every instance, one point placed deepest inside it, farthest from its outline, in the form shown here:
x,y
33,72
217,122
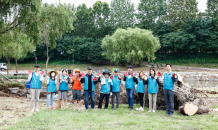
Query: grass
x,y
114,119
29,66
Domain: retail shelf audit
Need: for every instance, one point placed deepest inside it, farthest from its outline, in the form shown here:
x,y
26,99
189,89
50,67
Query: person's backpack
x,y
28,83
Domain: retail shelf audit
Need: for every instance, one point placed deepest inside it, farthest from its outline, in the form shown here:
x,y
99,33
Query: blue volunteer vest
x,y
105,88
86,83
140,86
63,84
152,85
116,84
36,83
51,86
168,81
130,82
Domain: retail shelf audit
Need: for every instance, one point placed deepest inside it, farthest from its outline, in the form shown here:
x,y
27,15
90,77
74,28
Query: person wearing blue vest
x,y
106,84
63,88
116,80
36,79
130,86
152,82
169,78
141,89
51,87
89,87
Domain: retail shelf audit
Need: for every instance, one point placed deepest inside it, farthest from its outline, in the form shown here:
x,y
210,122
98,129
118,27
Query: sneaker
x,y
131,108
53,108
138,108
149,111
75,109
86,109
48,108
105,109
141,109
171,115
78,109
32,110
36,110
153,111
112,108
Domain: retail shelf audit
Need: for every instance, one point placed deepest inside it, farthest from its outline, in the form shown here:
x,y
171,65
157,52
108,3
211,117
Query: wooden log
x,y
188,109
203,109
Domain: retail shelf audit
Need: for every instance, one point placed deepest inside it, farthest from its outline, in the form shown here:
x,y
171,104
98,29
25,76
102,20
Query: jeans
x,y
117,94
35,93
130,95
169,101
152,101
50,96
102,95
92,95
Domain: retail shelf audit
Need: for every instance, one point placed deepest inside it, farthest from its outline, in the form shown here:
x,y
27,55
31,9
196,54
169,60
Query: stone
x,y
13,90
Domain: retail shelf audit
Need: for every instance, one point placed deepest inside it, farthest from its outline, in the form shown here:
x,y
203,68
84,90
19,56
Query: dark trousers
x,y
117,94
141,97
102,95
169,101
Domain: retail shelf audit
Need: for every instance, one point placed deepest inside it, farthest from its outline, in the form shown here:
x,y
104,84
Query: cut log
x,y
203,109
188,109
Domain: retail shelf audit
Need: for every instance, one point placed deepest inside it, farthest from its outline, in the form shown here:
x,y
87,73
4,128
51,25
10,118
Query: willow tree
x,y
17,13
130,45
55,20
17,45
22,46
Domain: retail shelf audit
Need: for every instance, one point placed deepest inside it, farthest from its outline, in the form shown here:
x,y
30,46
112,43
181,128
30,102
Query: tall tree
x,y
212,8
149,11
101,12
181,11
17,45
19,14
84,22
130,45
55,21
22,47
122,14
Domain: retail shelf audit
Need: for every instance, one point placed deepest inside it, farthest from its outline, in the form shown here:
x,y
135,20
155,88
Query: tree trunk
x,y
188,108
16,65
47,59
8,66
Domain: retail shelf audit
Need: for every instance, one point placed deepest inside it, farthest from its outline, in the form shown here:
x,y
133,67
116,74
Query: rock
x,y
43,90
13,90
28,96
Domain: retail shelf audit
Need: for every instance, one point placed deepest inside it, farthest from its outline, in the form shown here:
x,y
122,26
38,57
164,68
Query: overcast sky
x,y
201,3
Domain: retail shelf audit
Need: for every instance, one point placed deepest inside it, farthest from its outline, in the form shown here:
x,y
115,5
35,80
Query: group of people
x,y
109,85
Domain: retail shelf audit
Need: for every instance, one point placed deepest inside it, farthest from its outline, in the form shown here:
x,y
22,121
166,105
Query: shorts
x,y
76,94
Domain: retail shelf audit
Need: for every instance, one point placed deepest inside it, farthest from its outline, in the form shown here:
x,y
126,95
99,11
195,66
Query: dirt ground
x,y
13,109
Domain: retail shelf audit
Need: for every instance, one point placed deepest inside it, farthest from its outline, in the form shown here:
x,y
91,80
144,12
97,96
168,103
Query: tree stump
x,y
188,108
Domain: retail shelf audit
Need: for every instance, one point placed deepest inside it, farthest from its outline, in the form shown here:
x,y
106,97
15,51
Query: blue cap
x,y
116,70
129,67
106,72
89,68
36,65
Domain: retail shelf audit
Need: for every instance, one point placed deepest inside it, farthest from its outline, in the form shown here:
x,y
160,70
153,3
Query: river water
x,y
204,84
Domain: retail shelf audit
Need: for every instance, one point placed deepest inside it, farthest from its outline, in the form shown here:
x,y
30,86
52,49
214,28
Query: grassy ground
x,y
114,119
